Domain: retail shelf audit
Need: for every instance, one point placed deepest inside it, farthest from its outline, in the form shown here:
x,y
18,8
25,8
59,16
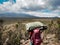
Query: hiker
x,y
30,33
34,29
35,37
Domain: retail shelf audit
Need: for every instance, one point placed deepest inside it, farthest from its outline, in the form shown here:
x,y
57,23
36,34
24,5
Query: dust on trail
x,y
5,43
27,42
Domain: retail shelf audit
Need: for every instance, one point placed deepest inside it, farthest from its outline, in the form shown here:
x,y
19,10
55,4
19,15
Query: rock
x,y
50,36
49,39
22,41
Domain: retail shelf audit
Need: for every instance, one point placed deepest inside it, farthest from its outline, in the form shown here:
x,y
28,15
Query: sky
x,y
38,8
2,1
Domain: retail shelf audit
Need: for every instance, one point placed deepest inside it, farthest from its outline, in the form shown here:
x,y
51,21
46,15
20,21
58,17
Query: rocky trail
x,y
48,40
27,42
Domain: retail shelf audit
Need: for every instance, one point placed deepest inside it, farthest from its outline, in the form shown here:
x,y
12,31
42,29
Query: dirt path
x,y
25,42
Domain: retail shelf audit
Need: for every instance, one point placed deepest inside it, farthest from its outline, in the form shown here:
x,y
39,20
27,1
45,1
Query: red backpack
x,y
36,37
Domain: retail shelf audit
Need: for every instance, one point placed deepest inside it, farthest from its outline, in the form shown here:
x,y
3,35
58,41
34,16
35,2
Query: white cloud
x,y
22,5
5,7
30,4
41,14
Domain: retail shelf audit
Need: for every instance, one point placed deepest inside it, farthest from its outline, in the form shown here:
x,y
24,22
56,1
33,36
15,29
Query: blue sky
x,y
1,1
39,8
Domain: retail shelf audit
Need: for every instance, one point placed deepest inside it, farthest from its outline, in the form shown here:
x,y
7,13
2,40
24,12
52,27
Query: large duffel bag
x,y
32,25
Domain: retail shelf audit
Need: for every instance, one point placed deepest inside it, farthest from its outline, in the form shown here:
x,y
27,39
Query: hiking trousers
x,y
31,43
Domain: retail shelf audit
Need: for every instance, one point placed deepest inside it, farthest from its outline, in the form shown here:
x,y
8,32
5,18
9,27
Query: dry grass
x,y
14,30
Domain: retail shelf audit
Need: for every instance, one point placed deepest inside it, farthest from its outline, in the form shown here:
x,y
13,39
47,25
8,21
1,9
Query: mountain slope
x,y
14,15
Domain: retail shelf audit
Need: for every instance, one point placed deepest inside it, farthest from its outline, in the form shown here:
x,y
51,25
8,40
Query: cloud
x,y
23,4
52,4
41,14
31,7
5,7
57,10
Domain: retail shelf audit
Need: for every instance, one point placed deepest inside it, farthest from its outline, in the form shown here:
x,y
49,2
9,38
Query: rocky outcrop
x,y
50,39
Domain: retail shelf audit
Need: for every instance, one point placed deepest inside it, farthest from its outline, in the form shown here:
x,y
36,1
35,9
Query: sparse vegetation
x,y
1,31
58,30
15,31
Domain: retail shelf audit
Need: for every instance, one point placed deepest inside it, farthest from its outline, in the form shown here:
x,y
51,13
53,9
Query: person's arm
x,y
30,34
42,36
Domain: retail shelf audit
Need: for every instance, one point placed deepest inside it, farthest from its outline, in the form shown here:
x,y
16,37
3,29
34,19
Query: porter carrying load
x,y
32,25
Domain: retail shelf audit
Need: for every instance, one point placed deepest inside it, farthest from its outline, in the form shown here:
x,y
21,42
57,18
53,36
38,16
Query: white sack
x,y
33,24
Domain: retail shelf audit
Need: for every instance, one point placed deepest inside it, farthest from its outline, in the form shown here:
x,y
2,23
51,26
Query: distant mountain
x,y
21,15
15,15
